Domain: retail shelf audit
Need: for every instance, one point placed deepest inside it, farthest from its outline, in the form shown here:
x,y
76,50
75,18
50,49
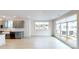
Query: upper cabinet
x,y
18,24
11,24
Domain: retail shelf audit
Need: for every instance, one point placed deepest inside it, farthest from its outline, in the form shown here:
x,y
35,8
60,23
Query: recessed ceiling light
x,y
14,16
3,16
28,16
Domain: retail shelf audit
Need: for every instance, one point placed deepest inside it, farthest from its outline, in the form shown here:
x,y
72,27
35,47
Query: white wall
x,y
27,28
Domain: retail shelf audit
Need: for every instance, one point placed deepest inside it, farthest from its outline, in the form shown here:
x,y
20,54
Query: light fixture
x,y
14,16
4,16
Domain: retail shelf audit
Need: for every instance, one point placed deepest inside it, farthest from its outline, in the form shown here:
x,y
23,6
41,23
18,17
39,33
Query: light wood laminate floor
x,y
34,43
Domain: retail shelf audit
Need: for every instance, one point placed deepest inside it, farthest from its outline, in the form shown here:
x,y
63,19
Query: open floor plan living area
x,y
39,29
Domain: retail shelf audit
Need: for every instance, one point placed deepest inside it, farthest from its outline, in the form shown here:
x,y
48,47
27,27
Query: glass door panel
x,y
72,33
57,30
63,31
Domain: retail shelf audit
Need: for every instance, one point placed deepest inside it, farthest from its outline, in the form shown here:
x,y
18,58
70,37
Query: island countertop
x,y
2,39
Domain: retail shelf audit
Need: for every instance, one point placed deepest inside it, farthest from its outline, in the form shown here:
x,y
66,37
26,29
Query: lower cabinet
x,y
15,35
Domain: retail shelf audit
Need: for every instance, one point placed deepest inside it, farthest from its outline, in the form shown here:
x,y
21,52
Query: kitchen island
x,y
2,39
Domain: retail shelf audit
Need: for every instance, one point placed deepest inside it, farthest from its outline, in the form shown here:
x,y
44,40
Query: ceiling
x,y
34,14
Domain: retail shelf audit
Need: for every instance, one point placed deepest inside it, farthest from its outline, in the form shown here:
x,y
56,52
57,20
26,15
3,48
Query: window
x,y
41,26
66,30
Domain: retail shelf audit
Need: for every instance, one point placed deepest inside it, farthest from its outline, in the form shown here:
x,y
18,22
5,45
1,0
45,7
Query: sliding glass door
x,y
72,30
63,31
66,30
72,33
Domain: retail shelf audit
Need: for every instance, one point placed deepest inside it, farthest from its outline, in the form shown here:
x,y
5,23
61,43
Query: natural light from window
x,y
66,30
41,26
